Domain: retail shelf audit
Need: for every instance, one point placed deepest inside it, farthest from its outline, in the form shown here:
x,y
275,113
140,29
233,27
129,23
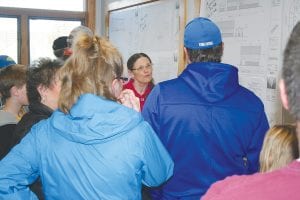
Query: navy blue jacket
x,y
211,126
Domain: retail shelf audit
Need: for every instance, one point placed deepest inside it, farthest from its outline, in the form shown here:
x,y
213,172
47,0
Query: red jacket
x,y
143,96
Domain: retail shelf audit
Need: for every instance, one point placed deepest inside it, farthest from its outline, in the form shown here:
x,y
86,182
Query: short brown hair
x,y
13,75
213,54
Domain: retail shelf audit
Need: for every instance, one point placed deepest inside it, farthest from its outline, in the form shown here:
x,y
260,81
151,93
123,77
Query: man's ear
x,y
222,48
14,91
186,55
283,95
41,89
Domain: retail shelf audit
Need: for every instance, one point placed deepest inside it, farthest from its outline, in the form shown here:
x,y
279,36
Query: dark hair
x,y
59,45
206,55
134,58
291,71
13,75
41,73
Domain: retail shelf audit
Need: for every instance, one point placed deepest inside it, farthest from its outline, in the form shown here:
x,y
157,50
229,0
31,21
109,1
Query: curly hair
x,y
291,71
206,55
13,75
92,67
42,72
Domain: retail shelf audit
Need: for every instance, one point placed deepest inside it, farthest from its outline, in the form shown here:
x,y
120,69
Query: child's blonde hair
x,y
280,147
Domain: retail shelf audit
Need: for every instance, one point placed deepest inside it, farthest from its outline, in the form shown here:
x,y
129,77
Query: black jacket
x,y
37,112
6,139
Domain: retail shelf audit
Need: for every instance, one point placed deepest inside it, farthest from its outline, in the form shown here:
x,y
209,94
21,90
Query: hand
x,y
128,99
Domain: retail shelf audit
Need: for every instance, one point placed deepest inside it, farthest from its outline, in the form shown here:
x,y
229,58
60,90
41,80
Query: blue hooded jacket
x,y
100,150
211,126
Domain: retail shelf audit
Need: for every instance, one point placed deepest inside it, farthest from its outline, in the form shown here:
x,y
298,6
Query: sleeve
x,y
19,169
158,165
150,111
256,142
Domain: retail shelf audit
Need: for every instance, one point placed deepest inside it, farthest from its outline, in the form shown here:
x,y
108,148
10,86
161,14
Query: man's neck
x,y
12,107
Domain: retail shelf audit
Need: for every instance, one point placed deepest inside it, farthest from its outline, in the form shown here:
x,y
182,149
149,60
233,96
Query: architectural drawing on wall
x,y
227,28
250,56
254,35
152,28
210,7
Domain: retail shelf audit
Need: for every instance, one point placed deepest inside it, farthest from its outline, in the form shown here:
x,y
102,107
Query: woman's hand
x,y
128,99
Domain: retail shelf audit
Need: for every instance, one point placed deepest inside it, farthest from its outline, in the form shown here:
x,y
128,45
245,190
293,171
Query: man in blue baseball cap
x,y
6,61
211,126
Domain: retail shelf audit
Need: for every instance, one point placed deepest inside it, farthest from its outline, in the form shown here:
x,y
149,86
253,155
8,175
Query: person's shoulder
x,y
6,130
7,118
168,84
25,124
263,185
230,185
247,96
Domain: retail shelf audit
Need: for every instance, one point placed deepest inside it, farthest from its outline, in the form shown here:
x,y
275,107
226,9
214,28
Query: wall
x,y
267,12
255,35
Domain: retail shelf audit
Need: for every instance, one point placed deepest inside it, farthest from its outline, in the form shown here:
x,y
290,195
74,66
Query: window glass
x,y
44,32
70,5
9,37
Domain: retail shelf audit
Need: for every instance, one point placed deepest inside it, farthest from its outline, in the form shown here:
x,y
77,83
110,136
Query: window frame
x,y
23,16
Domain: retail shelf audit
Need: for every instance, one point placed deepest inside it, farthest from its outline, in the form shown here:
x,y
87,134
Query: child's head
x,y
280,147
13,84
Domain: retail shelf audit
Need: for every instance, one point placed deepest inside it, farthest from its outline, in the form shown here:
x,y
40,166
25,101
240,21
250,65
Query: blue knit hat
x,y
201,33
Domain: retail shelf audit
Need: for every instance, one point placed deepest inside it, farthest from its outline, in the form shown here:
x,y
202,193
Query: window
x,y
31,26
9,37
70,5
44,32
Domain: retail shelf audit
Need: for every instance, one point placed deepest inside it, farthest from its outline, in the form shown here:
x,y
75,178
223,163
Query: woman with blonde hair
x,y
92,147
280,147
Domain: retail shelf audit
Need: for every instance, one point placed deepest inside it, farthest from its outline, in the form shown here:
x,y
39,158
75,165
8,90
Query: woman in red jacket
x,y
140,69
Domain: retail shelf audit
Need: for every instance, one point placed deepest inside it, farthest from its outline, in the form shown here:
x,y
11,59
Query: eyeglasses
x,y
142,68
123,79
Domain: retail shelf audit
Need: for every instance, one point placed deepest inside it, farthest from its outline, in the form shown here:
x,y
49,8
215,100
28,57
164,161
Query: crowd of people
x,y
74,128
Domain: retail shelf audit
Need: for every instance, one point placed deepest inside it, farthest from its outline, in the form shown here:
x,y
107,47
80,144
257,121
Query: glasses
x,y
123,79
142,68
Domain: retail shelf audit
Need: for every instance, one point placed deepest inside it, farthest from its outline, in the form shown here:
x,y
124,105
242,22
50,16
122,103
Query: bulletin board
x,y
152,28
255,33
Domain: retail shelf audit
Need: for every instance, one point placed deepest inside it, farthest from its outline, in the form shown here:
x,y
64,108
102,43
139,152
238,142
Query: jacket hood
x,y
94,119
211,81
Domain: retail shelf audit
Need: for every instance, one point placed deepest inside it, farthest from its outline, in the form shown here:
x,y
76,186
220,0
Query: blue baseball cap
x,y
201,33
6,61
